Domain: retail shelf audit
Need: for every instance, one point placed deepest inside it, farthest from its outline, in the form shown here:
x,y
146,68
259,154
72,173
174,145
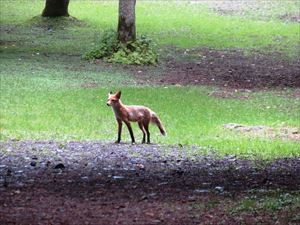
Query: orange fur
x,y
133,113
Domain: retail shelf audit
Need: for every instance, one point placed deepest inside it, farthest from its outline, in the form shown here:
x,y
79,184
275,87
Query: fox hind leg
x,y
144,132
146,127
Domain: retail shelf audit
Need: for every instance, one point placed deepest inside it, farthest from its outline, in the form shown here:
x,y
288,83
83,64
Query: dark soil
x,y
103,183
230,69
233,69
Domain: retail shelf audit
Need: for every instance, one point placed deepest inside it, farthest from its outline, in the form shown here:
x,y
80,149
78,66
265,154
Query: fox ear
x,y
118,94
110,93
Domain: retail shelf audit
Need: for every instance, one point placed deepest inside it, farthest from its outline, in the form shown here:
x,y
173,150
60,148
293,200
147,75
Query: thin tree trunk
x,y
55,8
126,25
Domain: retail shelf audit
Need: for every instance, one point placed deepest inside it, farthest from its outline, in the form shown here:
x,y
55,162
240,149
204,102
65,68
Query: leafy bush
x,y
105,47
140,52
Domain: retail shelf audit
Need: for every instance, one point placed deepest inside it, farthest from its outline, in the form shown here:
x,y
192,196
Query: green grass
x,y
169,23
44,98
48,92
258,10
256,206
268,201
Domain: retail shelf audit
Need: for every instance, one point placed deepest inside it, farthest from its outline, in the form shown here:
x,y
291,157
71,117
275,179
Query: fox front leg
x,y
130,132
119,131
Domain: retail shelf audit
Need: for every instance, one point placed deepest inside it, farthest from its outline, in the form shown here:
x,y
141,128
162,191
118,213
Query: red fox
x,y
132,113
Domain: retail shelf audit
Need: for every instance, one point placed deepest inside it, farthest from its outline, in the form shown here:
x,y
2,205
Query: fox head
x,y
113,99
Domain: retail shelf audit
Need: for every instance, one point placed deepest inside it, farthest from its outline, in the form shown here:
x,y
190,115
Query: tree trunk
x,y
126,26
55,8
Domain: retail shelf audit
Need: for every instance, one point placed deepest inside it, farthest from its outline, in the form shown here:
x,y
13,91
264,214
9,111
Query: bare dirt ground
x,y
104,183
224,68
228,69
233,69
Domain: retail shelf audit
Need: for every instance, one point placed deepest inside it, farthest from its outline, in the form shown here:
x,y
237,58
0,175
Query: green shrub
x,y
105,46
140,52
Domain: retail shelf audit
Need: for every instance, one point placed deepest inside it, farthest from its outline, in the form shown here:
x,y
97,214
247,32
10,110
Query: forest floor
x,y
104,183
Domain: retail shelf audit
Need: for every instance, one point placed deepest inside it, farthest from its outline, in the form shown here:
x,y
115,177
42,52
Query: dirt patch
x,y
90,85
233,69
229,94
292,17
296,94
5,43
102,183
49,23
284,133
225,68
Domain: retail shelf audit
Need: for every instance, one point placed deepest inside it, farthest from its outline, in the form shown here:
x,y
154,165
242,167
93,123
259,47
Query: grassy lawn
x,y
48,92
169,23
49,99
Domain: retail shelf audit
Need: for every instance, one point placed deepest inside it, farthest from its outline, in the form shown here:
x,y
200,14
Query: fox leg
x,y
130,131
143,130
146,127
119,130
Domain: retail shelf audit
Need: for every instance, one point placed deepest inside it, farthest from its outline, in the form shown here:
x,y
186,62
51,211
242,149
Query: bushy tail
x,y
156,120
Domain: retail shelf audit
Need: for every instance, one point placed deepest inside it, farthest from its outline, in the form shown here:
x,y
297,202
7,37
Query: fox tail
x,y
156,120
